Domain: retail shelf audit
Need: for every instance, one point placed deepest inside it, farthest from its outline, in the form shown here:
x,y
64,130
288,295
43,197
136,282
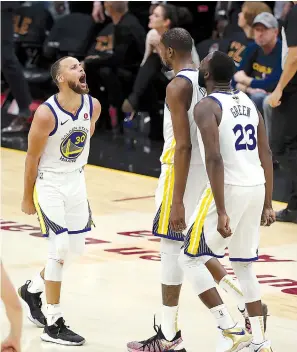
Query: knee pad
x,y
171,272
196,272
53,270
76,248
248,281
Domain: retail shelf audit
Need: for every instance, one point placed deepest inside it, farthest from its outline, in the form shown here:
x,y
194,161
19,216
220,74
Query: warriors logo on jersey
x,y
73,145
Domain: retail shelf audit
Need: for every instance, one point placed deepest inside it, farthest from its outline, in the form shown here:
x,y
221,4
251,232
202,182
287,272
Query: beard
x,y
165,66
77,89
201,79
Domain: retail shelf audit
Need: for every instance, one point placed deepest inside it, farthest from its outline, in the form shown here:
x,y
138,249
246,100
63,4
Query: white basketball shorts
x,y
244,206
61,202
196,183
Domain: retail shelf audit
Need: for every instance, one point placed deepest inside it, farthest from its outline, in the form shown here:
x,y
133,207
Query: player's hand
x,y
177,217
274,99
98,12
241,77
28,206
223,225
11,344
268,216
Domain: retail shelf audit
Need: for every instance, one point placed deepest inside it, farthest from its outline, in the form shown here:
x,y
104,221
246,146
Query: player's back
x,y
238,139
167,156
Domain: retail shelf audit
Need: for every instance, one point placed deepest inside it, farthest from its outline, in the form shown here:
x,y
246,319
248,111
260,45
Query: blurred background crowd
x,y
116,42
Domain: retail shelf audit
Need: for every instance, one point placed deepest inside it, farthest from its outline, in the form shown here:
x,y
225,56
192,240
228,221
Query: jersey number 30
x,y
246,137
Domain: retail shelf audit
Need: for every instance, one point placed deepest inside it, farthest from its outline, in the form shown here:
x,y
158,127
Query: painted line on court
x,y
134,198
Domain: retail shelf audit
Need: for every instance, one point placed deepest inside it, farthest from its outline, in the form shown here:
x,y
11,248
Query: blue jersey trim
x,y
185,77
216,100
168,237
61,231
56,118
188,69
202,254
80,231
74,117
91,106
227,93
243,259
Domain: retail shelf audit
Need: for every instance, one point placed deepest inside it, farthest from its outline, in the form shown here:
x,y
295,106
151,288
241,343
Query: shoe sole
x,y
241,346
182,350
29,316
46,338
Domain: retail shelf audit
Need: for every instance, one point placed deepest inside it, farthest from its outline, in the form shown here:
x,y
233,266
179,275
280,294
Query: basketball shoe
x,y
248,325
233,340
262,347
158,343
60,334
34,304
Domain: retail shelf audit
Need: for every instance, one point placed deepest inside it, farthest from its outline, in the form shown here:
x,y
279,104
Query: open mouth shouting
x,y
82,81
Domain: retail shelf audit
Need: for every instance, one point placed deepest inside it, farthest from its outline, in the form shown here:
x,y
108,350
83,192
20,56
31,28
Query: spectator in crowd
x,y
260,68
284,116
122,65
238,41
13,71
281,9
14,314
163,17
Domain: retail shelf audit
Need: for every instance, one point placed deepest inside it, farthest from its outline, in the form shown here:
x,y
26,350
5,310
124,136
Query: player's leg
x,y
228,284
50,210
243,250
168,334
78,222
232,338
171,279
202,241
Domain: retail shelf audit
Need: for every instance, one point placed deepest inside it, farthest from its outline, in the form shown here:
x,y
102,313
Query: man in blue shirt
x,y
260,68
284,116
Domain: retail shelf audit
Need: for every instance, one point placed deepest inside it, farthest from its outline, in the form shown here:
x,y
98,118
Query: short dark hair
x,y
221,67
178,39
55,69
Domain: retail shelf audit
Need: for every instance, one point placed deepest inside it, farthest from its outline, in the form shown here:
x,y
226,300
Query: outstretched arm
x,y
179,97
206,114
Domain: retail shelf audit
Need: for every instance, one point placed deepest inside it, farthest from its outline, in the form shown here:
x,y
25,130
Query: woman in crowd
x,y
162,18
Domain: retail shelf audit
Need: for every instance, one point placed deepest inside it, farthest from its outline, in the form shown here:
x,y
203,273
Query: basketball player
x,y
181,183
14,314
238,161
58,150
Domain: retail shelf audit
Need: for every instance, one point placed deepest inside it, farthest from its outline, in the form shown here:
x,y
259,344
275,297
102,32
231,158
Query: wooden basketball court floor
x,y
111,294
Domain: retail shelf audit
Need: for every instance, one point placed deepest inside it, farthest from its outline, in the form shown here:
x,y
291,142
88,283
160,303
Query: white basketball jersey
x,y
68,145
167,156
238,139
